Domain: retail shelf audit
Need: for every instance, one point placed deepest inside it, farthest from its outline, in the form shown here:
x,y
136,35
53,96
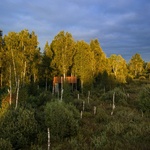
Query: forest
x,y
106,106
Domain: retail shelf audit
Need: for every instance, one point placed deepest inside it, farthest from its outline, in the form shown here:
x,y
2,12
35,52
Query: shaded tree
x,y
46,71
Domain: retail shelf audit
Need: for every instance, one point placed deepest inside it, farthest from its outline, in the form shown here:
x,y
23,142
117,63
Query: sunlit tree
x,y
63,48
2,60
118,67
22,58
99,56
147,69
84,63
22,51
136,65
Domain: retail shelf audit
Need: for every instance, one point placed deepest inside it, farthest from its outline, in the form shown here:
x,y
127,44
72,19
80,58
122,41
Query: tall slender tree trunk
x,y
82,86
14,66
64,76
49,142
10,84
34,76
24,72
1,80
62,83
46,84
17,94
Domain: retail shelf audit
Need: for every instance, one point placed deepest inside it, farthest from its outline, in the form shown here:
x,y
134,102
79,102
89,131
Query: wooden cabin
x,y
58,82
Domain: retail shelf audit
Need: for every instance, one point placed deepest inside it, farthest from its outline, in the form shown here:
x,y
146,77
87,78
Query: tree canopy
x,y
21,60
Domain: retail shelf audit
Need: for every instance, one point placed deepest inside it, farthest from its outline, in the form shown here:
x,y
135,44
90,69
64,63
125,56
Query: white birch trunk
x,y
48,132
17,95
83,108
24,72
61,83
34,76
113,105
64,76
81,114
15,73
82,86
62,90
94,110
10,86
1,79
88,97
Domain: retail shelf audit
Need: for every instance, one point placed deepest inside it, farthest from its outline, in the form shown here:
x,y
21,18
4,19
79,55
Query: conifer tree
x,y
45,69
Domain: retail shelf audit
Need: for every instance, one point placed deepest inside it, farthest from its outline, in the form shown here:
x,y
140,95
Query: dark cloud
x,y
121,26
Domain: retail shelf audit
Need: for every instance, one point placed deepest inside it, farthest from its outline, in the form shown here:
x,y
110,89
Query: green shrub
x,y
40,100
77,103
126,114
62,119
36,147
144,98
115,128
99,142
67,94
137,135
120,96
101,116
19,126
5,144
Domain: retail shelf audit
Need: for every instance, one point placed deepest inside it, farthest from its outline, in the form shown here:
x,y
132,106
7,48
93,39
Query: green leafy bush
x,y
99,142
62,119
101,116
5,144
126,114
40,100
120,96
144,98
115,128
19,127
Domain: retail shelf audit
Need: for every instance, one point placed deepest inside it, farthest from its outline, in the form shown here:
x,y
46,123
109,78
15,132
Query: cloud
x,y
121,26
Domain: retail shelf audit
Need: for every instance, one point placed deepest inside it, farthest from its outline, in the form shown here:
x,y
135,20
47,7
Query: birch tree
x,y
1,59
99,56
63,48
118,67
23,56
136,65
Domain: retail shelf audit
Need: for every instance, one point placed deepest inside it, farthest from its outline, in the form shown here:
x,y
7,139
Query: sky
x,y
121,26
